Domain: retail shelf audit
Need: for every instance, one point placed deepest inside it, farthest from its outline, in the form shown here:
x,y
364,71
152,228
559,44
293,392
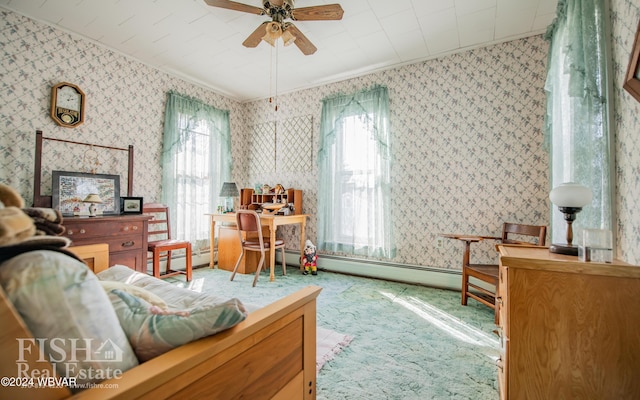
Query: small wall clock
x,y
67,105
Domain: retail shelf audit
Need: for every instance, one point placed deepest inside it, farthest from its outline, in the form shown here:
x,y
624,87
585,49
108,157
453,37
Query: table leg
x,y
272,251
212,237
303,224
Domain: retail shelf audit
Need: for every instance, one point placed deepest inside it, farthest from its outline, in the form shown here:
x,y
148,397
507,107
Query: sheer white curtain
x,y
196,160
354,206
578,129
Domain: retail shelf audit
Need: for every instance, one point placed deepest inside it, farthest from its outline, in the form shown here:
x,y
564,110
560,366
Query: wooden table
x,y
467,239
273,222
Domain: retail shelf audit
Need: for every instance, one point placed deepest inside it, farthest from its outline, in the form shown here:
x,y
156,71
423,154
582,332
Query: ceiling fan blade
x,y
318,13
232,5
301,40
254,39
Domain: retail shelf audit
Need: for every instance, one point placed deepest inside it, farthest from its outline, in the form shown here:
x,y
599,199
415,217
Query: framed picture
x,y
69,189
632,79
130,205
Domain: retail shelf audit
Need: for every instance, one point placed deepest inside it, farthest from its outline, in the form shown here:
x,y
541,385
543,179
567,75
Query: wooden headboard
x,y
46,201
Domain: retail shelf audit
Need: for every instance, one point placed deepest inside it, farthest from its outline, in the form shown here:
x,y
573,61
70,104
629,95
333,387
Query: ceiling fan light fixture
x,y
281,11
287,37
273,32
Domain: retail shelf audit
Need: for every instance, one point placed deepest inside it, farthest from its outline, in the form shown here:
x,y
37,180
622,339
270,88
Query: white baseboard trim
x,y
434,277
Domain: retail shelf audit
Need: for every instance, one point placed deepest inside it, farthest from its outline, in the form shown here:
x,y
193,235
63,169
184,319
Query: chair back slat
x,y
159,225
538,232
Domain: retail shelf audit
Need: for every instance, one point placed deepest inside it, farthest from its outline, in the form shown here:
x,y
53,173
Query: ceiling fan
x,y
279,11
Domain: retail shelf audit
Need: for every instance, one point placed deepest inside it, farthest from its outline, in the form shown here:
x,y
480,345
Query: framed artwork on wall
x,y
632,79
130,205
70,189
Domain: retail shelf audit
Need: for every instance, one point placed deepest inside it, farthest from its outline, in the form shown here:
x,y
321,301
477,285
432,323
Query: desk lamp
x,y
229,190
569,197
93,199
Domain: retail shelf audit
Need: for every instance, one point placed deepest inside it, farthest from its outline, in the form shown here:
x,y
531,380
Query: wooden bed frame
x,y
270,355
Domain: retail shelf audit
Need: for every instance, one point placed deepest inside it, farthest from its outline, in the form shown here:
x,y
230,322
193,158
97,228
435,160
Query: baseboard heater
x,y
397,272
406,273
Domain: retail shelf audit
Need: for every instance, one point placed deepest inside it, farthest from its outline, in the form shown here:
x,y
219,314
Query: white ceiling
x,y
203,44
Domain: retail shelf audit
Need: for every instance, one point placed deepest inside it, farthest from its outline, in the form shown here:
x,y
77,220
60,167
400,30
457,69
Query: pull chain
x,y
276,77
271,75
273,99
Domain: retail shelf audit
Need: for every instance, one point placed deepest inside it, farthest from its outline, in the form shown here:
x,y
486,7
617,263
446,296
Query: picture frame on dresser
x,y
131,205
69,189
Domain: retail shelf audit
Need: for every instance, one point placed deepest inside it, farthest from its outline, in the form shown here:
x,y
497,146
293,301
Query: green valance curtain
x,y
577,126
354,161
196,160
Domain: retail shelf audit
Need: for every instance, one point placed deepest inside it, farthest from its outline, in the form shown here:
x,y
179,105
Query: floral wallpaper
x,y
625,15
466,141
124,106
467,132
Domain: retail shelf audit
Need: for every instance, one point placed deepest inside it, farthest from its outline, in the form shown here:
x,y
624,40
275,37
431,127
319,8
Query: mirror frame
x,y
632,79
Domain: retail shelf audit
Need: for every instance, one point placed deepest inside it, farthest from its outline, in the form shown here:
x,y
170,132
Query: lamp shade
x,y
92,198
229,189
273,32
287,37
571,194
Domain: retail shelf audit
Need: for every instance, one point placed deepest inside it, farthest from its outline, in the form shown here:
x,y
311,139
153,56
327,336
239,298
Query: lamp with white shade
x,y
94,199
570,198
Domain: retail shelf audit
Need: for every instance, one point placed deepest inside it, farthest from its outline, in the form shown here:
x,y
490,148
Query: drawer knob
x,y
82,231
135,228
69,232
126,228
128,244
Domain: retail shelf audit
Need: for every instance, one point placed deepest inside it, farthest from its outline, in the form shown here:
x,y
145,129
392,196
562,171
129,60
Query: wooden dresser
x,y
569,329
126,236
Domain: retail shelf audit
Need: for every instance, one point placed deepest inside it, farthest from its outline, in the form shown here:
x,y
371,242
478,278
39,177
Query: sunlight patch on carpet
x,y
449,324
329,344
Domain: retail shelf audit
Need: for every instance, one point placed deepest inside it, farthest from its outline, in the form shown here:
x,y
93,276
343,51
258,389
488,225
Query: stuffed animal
x,y
309,259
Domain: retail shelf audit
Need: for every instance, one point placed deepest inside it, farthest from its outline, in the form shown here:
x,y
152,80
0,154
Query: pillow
x,y
62,303
152,331
144,294
177,298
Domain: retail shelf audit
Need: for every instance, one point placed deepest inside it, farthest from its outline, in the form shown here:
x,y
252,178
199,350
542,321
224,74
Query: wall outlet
x,y
439,242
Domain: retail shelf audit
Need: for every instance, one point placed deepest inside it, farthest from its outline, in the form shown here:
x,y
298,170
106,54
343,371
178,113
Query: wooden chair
x,y
488,273
248,222
160,241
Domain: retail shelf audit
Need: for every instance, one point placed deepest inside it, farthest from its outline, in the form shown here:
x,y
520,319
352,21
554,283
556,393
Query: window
x,y
578,127
354,213
196,160
355,180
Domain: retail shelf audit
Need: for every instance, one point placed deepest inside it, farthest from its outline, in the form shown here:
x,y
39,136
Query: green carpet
x,y
409,341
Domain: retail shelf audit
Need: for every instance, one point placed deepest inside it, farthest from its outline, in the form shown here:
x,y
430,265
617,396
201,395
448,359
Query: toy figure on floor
x,y
309,259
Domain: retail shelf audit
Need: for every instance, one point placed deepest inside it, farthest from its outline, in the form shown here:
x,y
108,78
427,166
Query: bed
x,y
270,355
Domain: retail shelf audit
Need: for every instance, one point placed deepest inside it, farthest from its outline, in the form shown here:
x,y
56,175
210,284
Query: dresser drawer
x,y
131,259
124,243
126,236
78,229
